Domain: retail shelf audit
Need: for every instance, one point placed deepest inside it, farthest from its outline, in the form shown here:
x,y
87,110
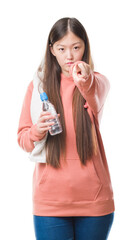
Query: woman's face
x,y
68,50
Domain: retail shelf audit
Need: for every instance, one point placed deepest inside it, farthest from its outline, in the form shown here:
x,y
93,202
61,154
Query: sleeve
x,y
27,132
95,91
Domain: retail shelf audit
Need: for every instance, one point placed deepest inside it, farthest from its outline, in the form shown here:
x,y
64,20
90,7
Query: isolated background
x,y
24,27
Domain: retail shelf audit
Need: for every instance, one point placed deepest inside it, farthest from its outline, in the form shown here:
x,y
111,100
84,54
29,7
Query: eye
x,y
61,49
76,47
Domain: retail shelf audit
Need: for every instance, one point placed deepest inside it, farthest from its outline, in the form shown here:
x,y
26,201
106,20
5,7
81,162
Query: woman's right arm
x,y
28,133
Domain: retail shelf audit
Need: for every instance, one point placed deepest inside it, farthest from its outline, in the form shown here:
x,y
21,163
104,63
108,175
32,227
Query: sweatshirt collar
x,y
65,78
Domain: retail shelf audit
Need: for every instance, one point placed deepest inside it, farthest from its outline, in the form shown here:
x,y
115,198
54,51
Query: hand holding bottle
x,y
55,127
42,124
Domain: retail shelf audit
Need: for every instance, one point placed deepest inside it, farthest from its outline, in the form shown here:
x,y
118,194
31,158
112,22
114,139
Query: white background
x,y
23,34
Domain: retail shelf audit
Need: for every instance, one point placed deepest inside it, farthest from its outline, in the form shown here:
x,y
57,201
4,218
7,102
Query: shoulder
x,y
102,78
30,86
29,92
29,89
99,75
37,78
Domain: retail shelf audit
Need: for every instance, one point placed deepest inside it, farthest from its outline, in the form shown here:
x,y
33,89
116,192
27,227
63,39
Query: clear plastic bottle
x,y
48,106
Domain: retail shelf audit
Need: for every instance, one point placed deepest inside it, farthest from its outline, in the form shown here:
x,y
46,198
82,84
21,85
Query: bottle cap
x,y
43,96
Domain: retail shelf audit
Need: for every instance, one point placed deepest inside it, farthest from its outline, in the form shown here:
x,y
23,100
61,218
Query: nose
x,y
69,54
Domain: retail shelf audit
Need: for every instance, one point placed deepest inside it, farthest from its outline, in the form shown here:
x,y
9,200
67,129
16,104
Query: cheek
x,y
79,56
60,60
82,53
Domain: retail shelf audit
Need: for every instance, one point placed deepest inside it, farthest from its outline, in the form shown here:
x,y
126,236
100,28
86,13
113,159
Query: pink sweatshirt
x,y
74,189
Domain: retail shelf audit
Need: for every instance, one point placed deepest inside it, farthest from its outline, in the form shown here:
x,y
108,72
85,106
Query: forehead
x,y
69,39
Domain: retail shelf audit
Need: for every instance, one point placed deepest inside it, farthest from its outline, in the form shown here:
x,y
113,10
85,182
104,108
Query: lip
x,y
69,63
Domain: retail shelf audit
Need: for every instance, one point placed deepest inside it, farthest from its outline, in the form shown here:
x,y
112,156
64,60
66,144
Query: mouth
x,y
69,63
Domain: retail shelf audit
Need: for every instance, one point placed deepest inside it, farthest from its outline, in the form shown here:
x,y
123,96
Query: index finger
x,y
76,70
43,113
82,69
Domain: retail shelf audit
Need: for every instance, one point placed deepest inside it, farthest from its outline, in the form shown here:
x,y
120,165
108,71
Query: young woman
x,y
72,191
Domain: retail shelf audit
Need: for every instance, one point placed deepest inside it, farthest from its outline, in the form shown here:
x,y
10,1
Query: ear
x,y
52,50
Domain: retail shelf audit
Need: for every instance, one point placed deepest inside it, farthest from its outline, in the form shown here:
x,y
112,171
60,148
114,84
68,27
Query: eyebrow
x,y
64,45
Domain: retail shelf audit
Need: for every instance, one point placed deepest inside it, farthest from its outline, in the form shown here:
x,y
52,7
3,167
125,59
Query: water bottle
x,y
48,106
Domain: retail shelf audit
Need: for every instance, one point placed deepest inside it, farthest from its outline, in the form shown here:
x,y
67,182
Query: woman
x,y
72,191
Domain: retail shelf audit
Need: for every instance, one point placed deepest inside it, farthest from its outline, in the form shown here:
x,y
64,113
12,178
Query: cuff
x,y
34,135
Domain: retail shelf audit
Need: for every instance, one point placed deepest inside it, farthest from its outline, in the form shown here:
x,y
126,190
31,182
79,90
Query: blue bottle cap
x,y
43,96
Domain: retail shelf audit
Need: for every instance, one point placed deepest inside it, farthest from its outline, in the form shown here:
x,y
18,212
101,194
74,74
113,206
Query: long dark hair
x,y
55,145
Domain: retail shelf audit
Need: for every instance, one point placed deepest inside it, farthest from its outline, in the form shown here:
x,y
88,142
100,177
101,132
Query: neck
x,y
68,77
